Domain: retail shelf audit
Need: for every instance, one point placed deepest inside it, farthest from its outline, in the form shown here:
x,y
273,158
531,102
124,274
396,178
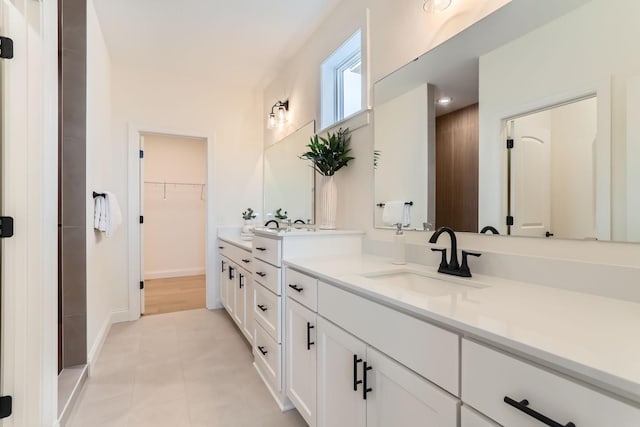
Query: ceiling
x,y
240,41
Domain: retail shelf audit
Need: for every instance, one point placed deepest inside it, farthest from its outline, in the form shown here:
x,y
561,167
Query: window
x,y
341,93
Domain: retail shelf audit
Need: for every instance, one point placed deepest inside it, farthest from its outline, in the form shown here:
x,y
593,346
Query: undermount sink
x,y
423,283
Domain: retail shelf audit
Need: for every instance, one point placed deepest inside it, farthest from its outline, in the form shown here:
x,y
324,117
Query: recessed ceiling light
x,y
445,100
436,5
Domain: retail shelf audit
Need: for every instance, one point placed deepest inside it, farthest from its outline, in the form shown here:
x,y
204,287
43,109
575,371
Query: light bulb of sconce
x,y
271,121
282,115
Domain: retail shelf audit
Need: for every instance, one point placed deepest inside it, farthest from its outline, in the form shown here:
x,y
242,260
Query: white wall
x,y
106,260
190,103
400,31
174,215
401,130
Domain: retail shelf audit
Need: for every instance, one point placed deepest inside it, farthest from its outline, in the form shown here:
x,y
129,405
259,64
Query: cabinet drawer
x,y
302,288
267,275
268,356
489,376
426,349
234,253
267,311
269,250
470,418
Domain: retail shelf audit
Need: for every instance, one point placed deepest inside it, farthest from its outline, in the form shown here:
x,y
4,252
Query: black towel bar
x,y
98,195
381,205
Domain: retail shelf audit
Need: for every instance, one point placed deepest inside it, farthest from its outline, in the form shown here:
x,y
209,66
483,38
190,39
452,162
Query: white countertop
x,y
592,338
303,232
234,239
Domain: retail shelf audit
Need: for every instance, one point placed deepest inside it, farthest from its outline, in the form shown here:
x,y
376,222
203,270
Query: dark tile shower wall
x,y
73,93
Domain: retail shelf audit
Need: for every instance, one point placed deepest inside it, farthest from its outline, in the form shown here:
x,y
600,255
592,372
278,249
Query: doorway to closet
x,y
173,176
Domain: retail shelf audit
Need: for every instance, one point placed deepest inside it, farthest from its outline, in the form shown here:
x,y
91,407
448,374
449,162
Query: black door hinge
x,y
142,154
6,48
141,285
5,406
6,226
509,143
141,219
510,220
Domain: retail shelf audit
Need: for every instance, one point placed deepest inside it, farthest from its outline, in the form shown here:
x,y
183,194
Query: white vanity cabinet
x,y
236,285
290,385
505,388
359,386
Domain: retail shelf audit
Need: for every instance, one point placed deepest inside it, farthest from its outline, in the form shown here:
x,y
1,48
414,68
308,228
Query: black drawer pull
x,y
261,274
365,368
241,284
523,406
232,274
220,247
356,381
262,350
246,261
261,249
262,307
296,288
223,267
309,342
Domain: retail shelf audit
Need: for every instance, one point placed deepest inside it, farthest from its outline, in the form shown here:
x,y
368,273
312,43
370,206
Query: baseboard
x,y
164,274
120,316
71,399
94,353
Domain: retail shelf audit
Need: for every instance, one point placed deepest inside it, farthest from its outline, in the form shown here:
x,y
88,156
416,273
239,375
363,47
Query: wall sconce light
x,y
279,114
431,6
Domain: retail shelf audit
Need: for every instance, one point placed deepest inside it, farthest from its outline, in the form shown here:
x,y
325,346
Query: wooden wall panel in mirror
x,y
288,180
561,79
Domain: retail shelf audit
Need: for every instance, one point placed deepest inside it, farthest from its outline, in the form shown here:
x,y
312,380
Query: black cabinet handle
x,y
296,288
309,342
220,247
262,350
261,274
241,284
223,267
246,261
365,368
231,273
523,406
261,249
356,381
262,307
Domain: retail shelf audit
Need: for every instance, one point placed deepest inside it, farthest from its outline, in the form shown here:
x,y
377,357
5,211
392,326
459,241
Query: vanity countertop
x,y
593,338
234,239
303,232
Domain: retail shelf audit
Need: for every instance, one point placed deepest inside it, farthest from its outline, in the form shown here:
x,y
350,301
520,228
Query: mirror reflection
x,y
289,181
559,85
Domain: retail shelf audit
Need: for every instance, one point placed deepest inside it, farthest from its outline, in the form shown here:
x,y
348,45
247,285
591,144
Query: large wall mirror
x,y
288,180
524,124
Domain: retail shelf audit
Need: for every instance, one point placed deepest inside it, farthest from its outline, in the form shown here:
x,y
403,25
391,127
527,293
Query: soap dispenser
x,y
398,251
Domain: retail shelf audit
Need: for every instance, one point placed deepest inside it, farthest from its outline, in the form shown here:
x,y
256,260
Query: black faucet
x,y
299,221
488,228
266,224
452,267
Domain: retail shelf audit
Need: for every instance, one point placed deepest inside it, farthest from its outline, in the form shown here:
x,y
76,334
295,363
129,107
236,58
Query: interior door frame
x,y
134,209
603,173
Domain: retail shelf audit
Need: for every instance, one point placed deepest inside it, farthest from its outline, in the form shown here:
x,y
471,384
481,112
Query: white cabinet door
x,y
400,398
248,327
301,359
340,358
241,292
222,283
232,273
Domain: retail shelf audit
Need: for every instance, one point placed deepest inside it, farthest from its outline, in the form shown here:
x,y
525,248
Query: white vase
x,y
328,203
247,228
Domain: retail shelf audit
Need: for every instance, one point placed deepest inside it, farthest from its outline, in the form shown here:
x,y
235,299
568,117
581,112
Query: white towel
x,y
113,214
98,212
396,212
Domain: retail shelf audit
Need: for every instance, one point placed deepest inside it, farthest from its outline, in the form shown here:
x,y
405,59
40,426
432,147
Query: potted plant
x,y
248,216
281,216
329,155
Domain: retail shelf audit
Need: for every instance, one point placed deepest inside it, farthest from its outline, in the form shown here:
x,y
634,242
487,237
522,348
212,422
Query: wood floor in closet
x,y
174,294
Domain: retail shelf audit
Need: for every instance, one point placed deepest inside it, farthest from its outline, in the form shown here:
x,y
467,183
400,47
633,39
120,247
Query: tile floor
x,y
183,369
